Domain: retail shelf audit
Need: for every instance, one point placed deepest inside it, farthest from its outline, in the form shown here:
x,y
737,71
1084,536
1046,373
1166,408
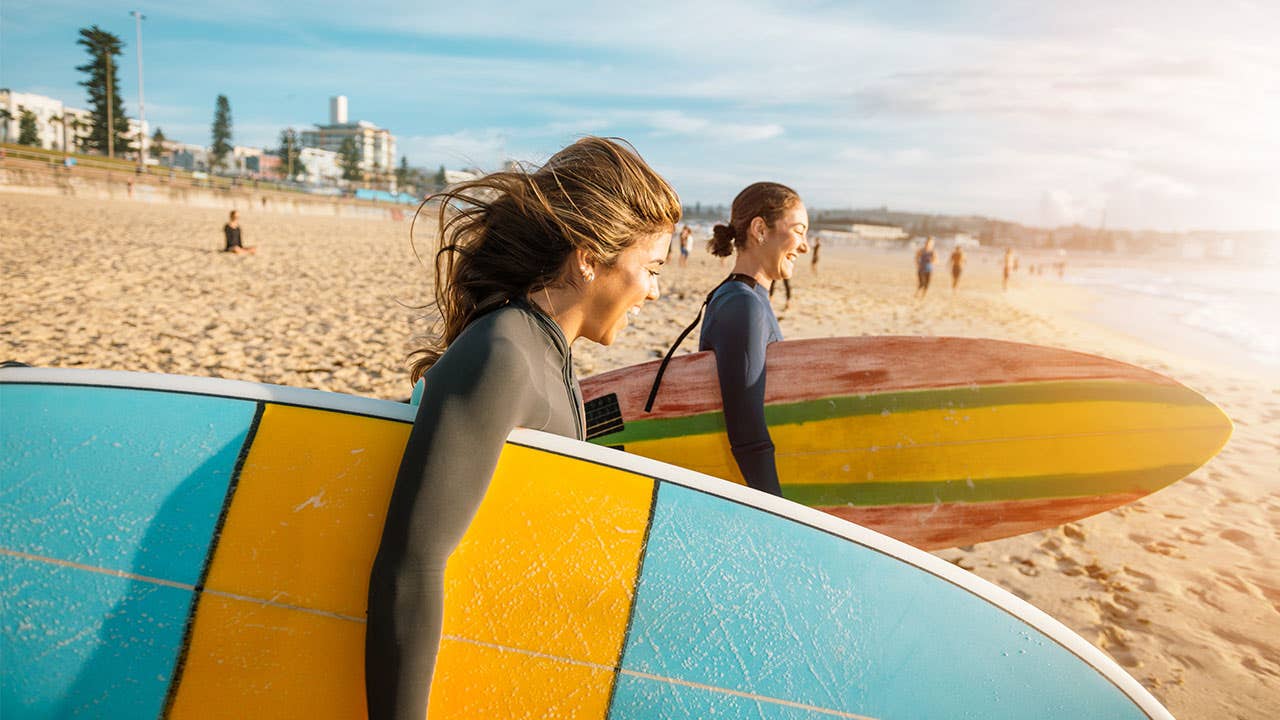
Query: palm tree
x,y
5,117
54,121
76,126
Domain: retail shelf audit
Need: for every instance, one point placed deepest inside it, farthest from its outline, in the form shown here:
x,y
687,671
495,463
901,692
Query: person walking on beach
x,y
528,263
957,266
924,267
786,284
814,247
231,232
686,245
1010,264
767,230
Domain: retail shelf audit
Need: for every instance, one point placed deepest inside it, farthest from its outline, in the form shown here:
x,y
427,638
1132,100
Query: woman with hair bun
x,y
528,263
767,228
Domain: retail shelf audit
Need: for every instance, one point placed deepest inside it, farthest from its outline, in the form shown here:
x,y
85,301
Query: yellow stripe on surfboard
x,y
987,442
291,566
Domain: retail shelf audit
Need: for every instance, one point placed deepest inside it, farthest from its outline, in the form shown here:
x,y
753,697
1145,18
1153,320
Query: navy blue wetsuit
x,y
739,326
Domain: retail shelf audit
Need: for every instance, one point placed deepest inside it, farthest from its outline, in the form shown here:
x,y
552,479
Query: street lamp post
x,y
142,106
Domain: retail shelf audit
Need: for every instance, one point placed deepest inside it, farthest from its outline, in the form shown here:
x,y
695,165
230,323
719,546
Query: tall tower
x,y
338,110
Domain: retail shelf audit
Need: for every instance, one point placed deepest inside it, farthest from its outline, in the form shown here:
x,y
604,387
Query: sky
x,y
1159,115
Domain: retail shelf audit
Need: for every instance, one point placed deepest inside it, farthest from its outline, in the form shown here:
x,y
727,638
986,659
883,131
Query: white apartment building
x,y
377,146
54,120
321,165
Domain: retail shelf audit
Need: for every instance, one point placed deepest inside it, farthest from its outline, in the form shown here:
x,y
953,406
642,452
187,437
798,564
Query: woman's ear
x,y
585,265
755,232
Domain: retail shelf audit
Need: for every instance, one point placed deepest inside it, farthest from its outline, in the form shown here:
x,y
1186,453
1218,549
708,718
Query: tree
x,y
349,160
5,117
54,121
157,143
28,131
403,172
102,84
220,148
290,154
76,125
441,179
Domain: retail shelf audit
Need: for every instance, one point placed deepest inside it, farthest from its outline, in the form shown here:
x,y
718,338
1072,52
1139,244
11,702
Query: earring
x,y
588,275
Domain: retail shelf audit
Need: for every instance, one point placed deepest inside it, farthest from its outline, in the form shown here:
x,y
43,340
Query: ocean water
x,y
1228,314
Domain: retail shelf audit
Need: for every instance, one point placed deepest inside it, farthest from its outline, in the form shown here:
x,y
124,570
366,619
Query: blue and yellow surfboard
x,y
185,547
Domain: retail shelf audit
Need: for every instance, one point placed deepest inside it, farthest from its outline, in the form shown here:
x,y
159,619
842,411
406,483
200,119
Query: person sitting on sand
x,y
957,265
528,262
232,232
767,229
924,267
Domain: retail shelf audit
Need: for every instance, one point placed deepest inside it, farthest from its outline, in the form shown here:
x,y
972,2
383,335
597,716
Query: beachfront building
x,y
185,156
875,233
321,166
56,123
245,161
376,145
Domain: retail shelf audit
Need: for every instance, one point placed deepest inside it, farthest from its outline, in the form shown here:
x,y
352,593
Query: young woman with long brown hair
x,y
528,263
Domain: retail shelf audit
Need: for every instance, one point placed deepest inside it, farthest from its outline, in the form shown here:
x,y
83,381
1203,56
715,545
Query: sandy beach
x,y
1182,588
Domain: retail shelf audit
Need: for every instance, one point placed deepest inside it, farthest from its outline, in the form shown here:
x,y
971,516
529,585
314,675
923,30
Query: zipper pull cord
x,y
662,369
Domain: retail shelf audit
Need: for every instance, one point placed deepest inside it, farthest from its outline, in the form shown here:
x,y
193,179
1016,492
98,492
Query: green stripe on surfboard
x,y
913,400
863,494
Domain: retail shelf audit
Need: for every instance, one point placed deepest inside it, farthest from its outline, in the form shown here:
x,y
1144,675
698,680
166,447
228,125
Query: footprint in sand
x,y
1190,536
1239,537
1148,583
1161,547
1073,531
1025,566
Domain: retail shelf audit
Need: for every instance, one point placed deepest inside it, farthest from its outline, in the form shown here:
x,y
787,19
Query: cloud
x,y
485,148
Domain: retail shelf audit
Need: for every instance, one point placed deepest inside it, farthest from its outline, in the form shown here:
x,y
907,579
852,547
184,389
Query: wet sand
x,y
1182,588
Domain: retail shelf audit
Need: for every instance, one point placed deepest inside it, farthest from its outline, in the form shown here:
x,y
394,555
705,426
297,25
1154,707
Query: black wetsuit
x,y
510,368
233,237
739,326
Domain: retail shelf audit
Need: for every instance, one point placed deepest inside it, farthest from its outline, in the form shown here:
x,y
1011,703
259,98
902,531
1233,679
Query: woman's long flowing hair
x,y
508,233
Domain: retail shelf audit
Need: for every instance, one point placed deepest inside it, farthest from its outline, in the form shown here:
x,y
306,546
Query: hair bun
x,y
725,231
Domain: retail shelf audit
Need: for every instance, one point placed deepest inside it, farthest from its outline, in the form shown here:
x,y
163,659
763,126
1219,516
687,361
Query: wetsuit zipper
x,y
551,328
574,400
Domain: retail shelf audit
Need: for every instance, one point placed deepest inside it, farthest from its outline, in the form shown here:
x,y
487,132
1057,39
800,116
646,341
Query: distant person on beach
x,y
957,265
924,267
686,245
786,285
767,229
232,232
1010,264
815,247
534,261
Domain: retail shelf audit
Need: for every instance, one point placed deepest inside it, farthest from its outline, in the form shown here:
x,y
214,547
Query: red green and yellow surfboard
x,y
938,442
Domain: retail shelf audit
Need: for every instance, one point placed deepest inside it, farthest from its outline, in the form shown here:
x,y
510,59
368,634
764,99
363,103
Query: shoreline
x,y
1181,587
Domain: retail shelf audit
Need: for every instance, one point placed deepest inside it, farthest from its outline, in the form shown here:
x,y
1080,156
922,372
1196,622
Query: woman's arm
x,y
474,396
739,338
